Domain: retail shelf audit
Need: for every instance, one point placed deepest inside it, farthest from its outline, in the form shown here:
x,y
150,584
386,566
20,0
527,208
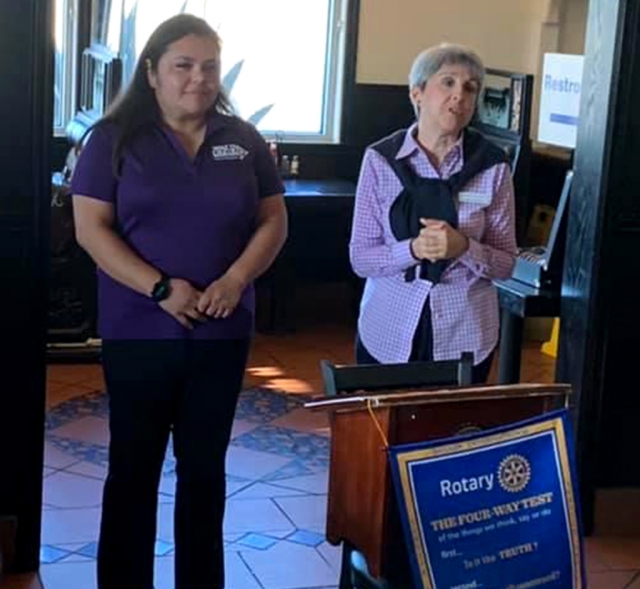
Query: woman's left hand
x,y
221,297
443,242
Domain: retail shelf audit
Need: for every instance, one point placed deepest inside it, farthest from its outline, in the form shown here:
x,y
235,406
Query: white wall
x,y
574,24
505,33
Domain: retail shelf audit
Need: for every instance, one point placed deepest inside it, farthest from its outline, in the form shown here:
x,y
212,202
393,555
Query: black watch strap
x,y
161,289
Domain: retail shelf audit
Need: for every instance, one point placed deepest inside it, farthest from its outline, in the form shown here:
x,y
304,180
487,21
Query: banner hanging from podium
x,y
497,510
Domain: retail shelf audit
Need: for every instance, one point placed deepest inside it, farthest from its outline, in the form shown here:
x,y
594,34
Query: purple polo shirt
x,y
189,219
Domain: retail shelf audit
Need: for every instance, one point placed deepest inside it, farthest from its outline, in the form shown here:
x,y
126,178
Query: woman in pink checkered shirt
x,y
434,224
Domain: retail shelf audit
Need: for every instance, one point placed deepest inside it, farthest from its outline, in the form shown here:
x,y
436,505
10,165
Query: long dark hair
x,y
136,108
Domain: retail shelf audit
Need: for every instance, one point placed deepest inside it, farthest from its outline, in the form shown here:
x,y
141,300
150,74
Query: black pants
x,y
189,389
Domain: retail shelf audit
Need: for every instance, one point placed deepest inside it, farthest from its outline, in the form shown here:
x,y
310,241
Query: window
x,y
65,39
282,63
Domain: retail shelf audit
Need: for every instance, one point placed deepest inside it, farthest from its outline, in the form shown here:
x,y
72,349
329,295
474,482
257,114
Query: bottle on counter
x,y
295,166
285,168
273,149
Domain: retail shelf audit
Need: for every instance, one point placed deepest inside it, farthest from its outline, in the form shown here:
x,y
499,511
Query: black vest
x,y
433,198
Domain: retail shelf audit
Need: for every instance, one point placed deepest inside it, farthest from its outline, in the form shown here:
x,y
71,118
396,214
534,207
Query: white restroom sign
x,y
560,91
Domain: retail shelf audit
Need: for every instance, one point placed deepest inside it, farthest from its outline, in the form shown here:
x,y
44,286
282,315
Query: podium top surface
x,y
358,401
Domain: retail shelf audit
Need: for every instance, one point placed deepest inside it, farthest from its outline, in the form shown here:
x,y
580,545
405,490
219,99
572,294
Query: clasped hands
x,y
188,304
437,240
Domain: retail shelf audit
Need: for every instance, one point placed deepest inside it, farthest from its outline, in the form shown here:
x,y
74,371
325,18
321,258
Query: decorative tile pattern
x,y
80,450
295,468
90,550
306,537
263,405
95,404
311,449
254,406
277,486
258,541
51,554
163,548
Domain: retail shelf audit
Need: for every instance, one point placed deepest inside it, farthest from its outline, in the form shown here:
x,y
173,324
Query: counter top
x,y
324,188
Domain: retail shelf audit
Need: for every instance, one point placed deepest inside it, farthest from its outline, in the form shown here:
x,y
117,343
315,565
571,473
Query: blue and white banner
x,y
497,510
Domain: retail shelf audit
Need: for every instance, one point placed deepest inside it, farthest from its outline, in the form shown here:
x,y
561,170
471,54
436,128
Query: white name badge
x,y
475,198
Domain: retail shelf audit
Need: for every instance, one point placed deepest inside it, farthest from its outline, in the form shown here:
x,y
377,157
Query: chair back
x,y
377,377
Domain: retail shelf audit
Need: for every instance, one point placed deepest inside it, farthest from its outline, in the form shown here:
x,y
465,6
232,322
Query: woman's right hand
x,y
438,241
182,303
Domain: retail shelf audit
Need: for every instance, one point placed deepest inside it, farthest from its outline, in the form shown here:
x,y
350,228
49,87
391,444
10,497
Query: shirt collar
x,y
410,144
215,122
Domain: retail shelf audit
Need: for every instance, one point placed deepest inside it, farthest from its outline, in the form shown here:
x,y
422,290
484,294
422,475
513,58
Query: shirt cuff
x,y
402,255
475,257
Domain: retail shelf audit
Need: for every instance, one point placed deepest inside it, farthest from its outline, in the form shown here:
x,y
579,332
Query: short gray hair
x,y
429,61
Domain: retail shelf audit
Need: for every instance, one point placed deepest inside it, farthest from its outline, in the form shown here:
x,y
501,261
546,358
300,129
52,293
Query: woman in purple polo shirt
x,y
180,205
433,225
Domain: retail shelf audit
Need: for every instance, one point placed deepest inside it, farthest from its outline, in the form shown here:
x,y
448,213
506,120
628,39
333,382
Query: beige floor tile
x,y
66,392
635,584
73,373
165,522
332,555
251,464
265,491
71,491
96,383
619,554
234,488
27,581
66,526
307,513
255,515
163,572
316,483
609,580
593,558
87,469
168,484
237,574
290,566
53,390
617,512
71,575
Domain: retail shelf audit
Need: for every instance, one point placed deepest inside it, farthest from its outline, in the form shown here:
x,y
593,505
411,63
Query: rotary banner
x,y
497,510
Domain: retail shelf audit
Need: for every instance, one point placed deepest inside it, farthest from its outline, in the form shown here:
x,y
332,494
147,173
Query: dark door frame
x,y
26,100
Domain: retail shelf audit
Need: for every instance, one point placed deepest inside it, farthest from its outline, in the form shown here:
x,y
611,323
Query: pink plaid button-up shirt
x,y
464,304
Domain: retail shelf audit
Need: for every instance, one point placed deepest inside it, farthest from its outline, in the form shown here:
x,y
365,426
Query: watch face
x,y
161,290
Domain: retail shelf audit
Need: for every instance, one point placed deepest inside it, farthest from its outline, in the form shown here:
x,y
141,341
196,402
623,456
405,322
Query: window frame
x,y
336,66
70,71
339,71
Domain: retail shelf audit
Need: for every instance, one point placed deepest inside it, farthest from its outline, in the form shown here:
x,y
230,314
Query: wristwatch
x,y
161,289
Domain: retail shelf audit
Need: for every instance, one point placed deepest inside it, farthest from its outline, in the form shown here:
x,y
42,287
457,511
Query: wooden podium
x,y
362,507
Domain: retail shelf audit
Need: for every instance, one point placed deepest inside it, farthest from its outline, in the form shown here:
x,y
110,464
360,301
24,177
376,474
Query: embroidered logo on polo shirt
x,y
229,151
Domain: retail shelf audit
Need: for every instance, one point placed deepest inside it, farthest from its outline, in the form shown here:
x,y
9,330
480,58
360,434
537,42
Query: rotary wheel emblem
x,y
514,473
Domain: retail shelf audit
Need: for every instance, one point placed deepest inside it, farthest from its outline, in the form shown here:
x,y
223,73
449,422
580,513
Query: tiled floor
x,y
277,475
